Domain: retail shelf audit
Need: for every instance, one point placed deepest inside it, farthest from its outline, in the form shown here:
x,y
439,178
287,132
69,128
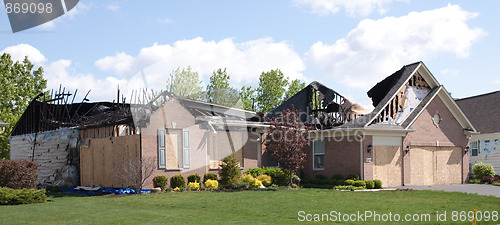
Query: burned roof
x,y
42,116
482,111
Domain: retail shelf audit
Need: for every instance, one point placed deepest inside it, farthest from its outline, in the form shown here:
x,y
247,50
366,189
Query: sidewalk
x,y
480,189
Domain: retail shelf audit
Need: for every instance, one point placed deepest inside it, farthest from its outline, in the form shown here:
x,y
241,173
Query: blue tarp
x,y
106,190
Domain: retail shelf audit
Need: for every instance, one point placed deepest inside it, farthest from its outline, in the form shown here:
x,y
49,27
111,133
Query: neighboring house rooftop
x,y
483,111
3,124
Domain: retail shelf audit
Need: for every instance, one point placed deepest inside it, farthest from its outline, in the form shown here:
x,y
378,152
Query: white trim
x,y
361,161
455,110
324,151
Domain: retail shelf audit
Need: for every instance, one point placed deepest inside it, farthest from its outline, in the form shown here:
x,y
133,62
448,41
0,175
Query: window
x,y
474,148
318,155
224,143
173,149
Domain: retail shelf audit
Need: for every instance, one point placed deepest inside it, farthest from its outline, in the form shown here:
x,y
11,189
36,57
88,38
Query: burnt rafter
x,y
321,106
53,110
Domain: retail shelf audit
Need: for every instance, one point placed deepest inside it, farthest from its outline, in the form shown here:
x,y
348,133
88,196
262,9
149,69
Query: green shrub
x,y
18,174
378,184
247,178
370,184
349,182
337,177
338,182
353,177
320,177
474,181
194,178
177,181
347,187
193,186
255,172
360,183
9,196
209,176
482,169
229,172
160,181
277,175
265,179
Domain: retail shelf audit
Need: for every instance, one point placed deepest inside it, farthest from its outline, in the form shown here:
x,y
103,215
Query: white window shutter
x,y
161,149
185,149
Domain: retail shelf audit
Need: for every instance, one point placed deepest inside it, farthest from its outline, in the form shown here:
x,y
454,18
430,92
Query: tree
x,y
19,83
271,90
294,87
219,91
288,138
247,97
185,83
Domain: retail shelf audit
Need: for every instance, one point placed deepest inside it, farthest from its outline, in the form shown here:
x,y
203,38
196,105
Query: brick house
x,y
416,135
482,110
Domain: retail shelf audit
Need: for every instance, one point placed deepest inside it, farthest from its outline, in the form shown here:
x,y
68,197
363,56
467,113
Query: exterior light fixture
x,y
466,150
369,148
407,149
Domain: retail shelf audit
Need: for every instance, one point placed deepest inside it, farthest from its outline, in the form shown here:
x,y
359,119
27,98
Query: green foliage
x,y
9,196
177,181
19,83
247,95
349,182
348,187
482,169
219,91
378,184
278,177
337,177
185,83
360,183
193,186
265,179
271,90
353,177
320,177
230,171
370,184
294,87
474,181
18,174
209,176
194,178
160,181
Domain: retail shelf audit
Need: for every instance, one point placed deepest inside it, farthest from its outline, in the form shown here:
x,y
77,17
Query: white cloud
x,y
18,52
165,21
113,7
352,7
376,48
244,61
79,9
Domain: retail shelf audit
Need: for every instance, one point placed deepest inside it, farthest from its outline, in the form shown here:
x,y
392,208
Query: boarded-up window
x,y
318,155
223,144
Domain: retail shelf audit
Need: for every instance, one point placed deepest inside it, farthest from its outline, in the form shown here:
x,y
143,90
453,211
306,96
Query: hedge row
x,y
18,174
278,177
9,196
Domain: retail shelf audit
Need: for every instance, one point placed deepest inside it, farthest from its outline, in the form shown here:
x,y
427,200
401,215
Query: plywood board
x,y
388,165
435,165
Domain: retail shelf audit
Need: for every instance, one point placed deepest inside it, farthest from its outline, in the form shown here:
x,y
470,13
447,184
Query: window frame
x,y
476,147
318,154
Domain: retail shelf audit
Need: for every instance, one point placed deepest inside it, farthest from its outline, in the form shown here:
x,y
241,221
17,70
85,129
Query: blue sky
x,y
348,45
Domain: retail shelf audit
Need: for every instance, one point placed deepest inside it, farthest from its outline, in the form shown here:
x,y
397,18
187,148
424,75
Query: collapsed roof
x,y
321,106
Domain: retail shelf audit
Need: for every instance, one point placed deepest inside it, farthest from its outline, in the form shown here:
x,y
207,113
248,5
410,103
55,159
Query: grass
x,y
244,207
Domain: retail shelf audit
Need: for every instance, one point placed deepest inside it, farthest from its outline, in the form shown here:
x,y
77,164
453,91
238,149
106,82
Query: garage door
x,y
435,165
387,165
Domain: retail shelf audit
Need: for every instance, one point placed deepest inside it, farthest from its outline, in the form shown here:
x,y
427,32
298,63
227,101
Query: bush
x,y
255,183
487,180
160,181
482,169
247,178
177,181
255,172
349,182
194,178
347,187
209,176
370,184
320,177
474,181
278,177
265,179
378,184
360,183
193,186
211,184
337,177
229,172
353,177
18,174
9,196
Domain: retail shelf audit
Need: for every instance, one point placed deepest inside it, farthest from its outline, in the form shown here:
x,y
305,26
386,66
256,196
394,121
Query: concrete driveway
x,y
480,189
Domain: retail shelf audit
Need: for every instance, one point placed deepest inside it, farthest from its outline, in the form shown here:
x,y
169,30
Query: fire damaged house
x,y
125,145
416,134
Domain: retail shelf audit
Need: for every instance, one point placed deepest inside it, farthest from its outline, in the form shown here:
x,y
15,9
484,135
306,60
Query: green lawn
x,y
245,207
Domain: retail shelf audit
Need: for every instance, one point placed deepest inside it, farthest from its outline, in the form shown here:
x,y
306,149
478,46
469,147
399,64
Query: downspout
x,y
361,166
34,146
